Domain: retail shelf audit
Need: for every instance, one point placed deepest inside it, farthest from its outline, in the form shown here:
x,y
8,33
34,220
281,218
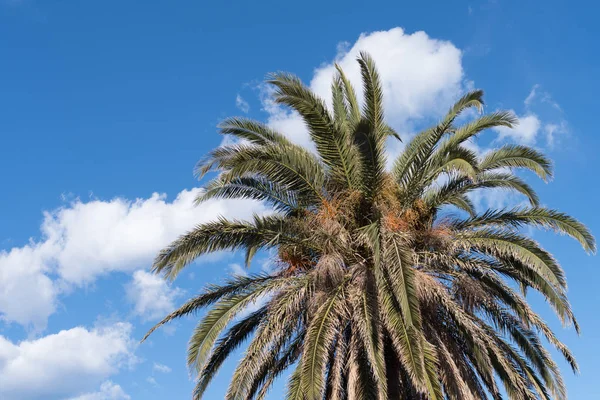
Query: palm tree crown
x,y
389,284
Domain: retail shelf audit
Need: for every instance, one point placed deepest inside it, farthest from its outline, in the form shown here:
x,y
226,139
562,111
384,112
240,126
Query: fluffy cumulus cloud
x,y
27,294
121,235
108,391
421,77
151,296
84,240
66,363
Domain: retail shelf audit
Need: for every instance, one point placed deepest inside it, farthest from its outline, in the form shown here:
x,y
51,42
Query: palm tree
x,y
388,284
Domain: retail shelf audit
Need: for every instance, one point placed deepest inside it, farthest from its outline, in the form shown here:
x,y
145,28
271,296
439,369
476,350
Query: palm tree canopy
x,y
388,282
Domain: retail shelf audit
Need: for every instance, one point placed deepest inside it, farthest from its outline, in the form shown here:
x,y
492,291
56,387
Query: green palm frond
x,y
502,243
371,131
340,106
207,238
212,294
457,162
537,216
472,129
516,156
369,329
234,337
288,166
319,336
354,114
405,337
256,188
253,131
283,362
458,186
208,330
331,139
295,389
273,335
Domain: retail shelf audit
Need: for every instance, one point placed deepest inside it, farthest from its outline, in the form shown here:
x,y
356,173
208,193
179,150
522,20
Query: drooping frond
x,y
263,232
212,294
319,337
501,243
460,186
274,333
537,216
516,156
369,328
234,337
255,188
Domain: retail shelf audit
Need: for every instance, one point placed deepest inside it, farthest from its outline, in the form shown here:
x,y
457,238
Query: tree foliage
x,y
390,284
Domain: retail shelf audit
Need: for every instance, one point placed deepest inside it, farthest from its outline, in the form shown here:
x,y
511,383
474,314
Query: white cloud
x,y
238,270
485,199
108,391
552,130
27,295
532,94
420,76
66,363
242,104
161,368
151,295
524,132
151,381
83,240
121,235
547,98
552,114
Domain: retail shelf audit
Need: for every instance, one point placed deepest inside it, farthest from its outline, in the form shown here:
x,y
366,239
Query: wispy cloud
x,y
541,105
552,130
161,368
242,104
531,96
238,270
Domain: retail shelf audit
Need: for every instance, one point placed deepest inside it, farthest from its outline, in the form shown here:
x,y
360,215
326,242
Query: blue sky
x,y
106,106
